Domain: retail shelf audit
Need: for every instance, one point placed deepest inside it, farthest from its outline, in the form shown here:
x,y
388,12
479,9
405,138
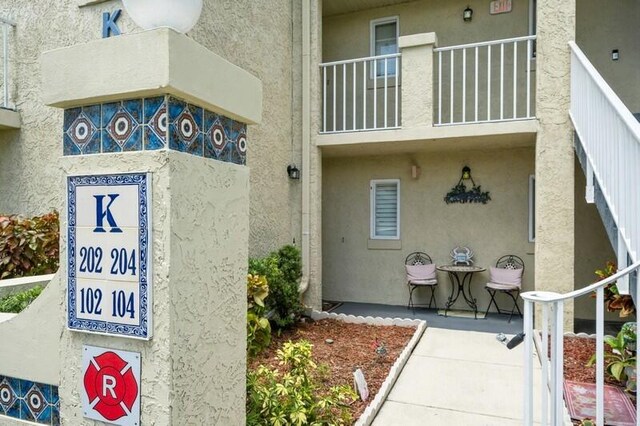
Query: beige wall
x,y
347,36
593,249
352,272
247,33
602,27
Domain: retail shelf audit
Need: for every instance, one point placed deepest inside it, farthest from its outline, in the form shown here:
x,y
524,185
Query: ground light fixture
x,y
179,15
467,14
293,172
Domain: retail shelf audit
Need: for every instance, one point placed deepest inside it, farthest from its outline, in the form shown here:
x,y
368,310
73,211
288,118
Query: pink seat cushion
x,y
511,277
421,272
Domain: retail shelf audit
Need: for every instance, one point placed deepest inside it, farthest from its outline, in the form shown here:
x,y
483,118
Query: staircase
x,y
607,143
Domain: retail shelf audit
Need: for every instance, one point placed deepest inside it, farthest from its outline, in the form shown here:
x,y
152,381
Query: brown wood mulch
x,y
353,347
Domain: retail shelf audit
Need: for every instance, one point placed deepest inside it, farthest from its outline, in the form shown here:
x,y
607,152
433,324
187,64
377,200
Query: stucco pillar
x,y
554,251
159,104
417,79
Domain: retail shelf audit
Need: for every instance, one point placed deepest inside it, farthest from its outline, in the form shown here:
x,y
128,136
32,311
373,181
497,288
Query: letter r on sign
x,y
109,384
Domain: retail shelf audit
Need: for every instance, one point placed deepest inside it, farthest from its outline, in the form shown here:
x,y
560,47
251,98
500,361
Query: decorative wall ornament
x,y
462,255
459,193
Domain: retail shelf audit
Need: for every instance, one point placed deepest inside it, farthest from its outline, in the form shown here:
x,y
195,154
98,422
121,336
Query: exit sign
x,y
500,6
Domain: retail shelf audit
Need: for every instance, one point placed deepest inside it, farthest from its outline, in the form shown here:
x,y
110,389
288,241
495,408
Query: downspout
x,y
306,141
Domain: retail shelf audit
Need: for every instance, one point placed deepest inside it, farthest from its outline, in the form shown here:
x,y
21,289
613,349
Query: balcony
x,y
9,117
462,96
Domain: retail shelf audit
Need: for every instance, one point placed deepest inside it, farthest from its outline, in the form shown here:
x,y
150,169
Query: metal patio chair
x,y
420,272
506,278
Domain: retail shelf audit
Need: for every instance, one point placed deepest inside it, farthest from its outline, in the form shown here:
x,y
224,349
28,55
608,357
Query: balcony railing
x,y
485,82
6,24
361,94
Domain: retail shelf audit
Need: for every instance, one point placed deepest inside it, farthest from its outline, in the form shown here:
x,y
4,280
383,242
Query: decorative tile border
x,y
156,123
29,401
374,406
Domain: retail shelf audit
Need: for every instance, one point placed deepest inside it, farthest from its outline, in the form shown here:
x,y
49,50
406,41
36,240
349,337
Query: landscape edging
x,y
374,406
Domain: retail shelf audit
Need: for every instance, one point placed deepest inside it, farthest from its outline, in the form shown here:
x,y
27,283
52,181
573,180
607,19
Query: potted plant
x,y
180,15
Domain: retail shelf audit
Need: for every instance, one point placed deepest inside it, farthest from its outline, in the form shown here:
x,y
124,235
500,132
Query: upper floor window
x,y
384,41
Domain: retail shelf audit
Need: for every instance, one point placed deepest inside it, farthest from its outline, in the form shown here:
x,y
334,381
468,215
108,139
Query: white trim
x,y
532,209
372,40
372,206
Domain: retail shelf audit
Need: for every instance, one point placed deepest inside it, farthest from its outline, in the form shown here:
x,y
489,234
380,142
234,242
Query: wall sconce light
x,y
293,172
467,15
466,173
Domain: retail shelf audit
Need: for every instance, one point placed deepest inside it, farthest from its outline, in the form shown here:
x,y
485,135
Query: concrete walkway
x,y
458,377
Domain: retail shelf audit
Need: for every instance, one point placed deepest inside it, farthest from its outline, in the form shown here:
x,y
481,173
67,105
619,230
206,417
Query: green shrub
x,y
258,327
293,397
29,246
282,270
16,303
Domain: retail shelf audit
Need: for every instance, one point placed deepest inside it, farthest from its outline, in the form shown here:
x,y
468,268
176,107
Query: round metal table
x,y
461,275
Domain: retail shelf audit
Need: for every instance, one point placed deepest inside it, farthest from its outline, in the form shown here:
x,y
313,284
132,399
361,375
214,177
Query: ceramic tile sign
x,y
109,259
111,386
499,6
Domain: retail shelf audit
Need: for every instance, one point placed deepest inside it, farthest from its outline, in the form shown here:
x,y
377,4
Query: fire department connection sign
x,y
109,243
111,386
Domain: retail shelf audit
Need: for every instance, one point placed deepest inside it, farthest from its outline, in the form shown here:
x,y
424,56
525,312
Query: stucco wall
x,y
593,248
193,370
600,28
555,228
352,272
247,33
443,17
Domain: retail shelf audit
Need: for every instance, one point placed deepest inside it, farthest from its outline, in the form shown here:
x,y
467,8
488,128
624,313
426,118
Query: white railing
x,y
6,26
485,82
552,334
361,94
610,137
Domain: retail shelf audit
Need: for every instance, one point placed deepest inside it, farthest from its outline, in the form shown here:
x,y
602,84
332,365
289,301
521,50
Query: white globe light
x,y
180,15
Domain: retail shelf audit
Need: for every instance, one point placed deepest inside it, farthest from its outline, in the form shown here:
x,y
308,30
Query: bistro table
x,y
459,276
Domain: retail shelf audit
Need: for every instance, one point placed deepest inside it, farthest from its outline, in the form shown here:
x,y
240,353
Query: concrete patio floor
x,y
493,323
458,377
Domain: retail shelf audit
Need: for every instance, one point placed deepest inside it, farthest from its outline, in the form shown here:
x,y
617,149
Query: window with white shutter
x,y
385,209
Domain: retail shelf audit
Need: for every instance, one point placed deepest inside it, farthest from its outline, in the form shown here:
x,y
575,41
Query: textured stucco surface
x,y
353,272
247,33
599,30
34,351
417,97
194,366
592,246
554,152
209,236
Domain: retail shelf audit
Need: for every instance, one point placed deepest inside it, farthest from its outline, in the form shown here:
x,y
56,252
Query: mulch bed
x,y
353,347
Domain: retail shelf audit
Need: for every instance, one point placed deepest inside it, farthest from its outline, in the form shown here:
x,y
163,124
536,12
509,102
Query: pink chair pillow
x,y
421,272
505,276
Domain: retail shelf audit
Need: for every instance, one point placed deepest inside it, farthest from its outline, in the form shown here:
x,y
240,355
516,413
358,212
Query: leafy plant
x,y
282,270
16,303
292,397
258,327
613,300
587,422
629,334
616,360
29,246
